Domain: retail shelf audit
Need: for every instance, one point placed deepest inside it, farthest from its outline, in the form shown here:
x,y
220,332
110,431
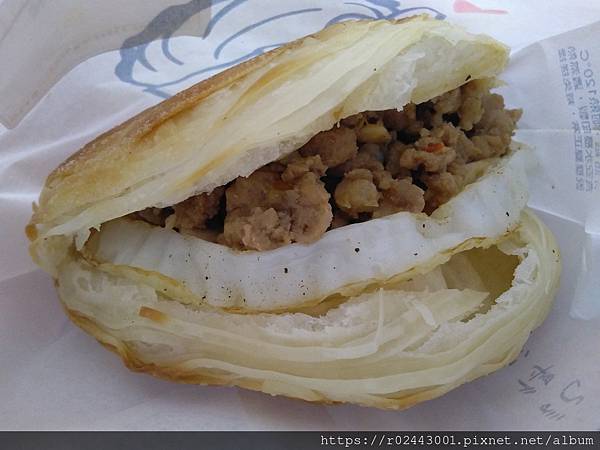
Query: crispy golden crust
x,y
203,377
121,139
95,163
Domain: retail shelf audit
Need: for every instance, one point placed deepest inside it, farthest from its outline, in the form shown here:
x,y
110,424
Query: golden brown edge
x,y
201,377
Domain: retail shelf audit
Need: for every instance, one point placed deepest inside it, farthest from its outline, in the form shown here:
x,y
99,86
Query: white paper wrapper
x,y
53,376
66,32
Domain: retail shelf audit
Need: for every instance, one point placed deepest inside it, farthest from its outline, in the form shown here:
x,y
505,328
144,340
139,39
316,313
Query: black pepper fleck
x,y
507,214
285,270
416,254
357,249
468,78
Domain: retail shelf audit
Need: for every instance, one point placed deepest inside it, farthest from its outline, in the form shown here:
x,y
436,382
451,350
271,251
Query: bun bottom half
x,y
390,348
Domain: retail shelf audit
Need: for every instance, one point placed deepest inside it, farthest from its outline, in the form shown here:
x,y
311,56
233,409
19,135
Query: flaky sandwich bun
x,y
342,219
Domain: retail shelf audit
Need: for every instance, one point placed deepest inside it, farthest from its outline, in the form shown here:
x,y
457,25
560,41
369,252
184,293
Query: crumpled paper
x,y
53,376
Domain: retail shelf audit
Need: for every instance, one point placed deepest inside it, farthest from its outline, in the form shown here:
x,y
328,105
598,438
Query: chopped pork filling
x,y
372,164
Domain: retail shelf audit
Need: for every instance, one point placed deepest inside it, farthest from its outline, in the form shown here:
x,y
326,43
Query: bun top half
x,y
245,117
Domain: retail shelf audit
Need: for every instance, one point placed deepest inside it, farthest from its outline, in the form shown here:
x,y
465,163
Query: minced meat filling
x,y
373,164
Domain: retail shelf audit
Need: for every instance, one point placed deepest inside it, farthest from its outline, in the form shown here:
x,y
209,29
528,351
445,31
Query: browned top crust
x,y
119,141
129,155
96,160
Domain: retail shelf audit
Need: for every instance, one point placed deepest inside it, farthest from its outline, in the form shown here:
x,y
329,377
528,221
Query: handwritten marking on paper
x,y
583,100
556,398
526,388
549,412
544,374
570,393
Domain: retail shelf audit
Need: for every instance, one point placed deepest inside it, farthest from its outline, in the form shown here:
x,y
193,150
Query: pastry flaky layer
x,y
387,312
389,347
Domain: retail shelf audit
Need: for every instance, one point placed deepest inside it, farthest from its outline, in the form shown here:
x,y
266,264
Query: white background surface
x,y
53,376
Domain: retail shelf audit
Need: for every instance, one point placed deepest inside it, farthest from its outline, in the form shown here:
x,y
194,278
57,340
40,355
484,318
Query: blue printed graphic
x,y
134,61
